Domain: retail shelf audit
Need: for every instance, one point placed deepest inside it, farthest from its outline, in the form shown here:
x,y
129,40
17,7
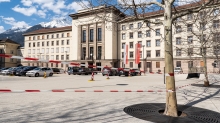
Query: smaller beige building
x,y
8,47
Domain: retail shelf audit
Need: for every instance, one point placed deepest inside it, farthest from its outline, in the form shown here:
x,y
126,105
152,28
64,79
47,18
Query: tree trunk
x,y
171,101
206,81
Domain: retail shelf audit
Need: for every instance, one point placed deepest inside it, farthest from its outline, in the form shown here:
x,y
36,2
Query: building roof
x,y
50,30
8,41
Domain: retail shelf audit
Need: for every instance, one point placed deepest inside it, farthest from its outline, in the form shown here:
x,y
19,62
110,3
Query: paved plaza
x,y
104,106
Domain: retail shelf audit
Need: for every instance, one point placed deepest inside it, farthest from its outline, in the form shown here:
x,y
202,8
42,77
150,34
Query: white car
x,y
178,70
6,72
40,72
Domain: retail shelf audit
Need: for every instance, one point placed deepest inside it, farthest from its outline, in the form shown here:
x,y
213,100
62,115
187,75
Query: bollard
x,y
108,76
92,77
45,74
129,74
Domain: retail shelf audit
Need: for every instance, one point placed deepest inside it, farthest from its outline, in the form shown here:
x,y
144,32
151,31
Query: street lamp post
x,y
65,59
143,58
40,58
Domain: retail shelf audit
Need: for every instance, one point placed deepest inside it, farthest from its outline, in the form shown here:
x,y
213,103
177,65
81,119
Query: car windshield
x,y
177,68
37,68
10,68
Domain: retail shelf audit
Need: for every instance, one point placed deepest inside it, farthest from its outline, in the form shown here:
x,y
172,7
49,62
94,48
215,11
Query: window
x,y
33,51
157,53
148,43
215,12
215,24
216,37
202,26
189,16
178,52
91,52
148,24
178,29
202,38
29,44
62,35
190,39
190,52
131,54
157,20
157,42
29,38
42,36
47,36
62,42
62,57
47,57
123,27
216,50
52,36
67,49
57,35
33,37
42,50
139,25
99,34
131,44
148,33
140,42
42,44
67,57
139,34
131,64
99,52
157,64
203,51
83,53
38,50
68,34
47,43
47,50
84,36
140,54
29,51
38,37
178,41
131,26
178,63
52,57
123,46
12,52
202,14
189,27
57,42
57,57
157,32
67,42
52,43
122,54
149,54
91,33
123,36
57,50
62,49
131,35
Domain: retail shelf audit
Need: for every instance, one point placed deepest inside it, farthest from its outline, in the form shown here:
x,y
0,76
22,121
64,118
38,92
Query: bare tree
x,y
170,11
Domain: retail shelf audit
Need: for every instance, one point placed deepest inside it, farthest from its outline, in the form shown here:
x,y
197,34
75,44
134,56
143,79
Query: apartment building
x,y
9,47
49,44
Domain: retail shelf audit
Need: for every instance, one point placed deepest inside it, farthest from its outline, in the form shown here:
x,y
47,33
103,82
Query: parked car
x,y
109,71
3,69
20,69
7,71
25,70
56,70
124,71
13,72
73,70
39,71
85,71
135,71
61,71
178,70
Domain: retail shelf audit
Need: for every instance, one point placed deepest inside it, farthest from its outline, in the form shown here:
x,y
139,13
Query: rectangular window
x,y
47,36
123,27
62,35
131,64
42,36
48,43
178,41
47,50
67,49
157,64
57,57
38,51
91,34
148,43
29,44
99,52
67,57
62,57
42,44
83,53
140,42
131,44
190,64
131,26
84,36
202,26
68,34
139,25
62,49
47,57
215,12
122,55
131,35
123,36
157,53
148,33
189,16
139,34
215,24
57,35
62,42
99,34
52,57
52,43
91,52
157,42
57,50
189,27
33,37
178,52
52,36
148,24
33,51
190,52
29,51
203,51
202,14
190,39
29,38
33,44
157,32
52,50
67,42
57,42
178,63
38,37
42,50
131,54
149,54
178,29
123,46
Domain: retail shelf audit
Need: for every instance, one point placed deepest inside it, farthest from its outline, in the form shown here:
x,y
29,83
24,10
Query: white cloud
x,y
2,29
4,1
26,2
78,5
184,2
15,24
41,13
26,11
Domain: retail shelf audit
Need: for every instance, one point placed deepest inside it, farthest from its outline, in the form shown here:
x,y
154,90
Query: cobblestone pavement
x,y
95,107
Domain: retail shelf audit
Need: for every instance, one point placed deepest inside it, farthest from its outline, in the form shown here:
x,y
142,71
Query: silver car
x,y
40,72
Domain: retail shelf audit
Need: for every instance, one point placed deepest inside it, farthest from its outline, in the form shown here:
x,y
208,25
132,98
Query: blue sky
x,y
20,13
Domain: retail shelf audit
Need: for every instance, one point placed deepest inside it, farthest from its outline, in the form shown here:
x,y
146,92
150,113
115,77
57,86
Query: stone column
x,y
95,41
79,40
87,41
103,40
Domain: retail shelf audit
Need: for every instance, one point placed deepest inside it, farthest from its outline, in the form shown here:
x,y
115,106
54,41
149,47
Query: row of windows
x,y
52,57
131,54
47,64
148,43
38,51
91,53
148,64
140,34
48,43
91,35
50,36
139,25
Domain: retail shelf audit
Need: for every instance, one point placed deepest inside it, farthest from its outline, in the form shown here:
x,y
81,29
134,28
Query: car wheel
x,y
103,75
36,74
51,74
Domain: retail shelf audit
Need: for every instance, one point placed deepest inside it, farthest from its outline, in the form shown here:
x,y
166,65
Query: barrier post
x,y
45,74
108,76
92,77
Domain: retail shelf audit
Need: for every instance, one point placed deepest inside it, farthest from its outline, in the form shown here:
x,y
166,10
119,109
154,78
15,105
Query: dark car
x,y
109,71
73,70
56,70
85,71
19,69
23,71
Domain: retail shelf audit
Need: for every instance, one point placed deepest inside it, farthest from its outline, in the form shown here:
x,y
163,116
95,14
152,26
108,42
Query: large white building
x,y
98,36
